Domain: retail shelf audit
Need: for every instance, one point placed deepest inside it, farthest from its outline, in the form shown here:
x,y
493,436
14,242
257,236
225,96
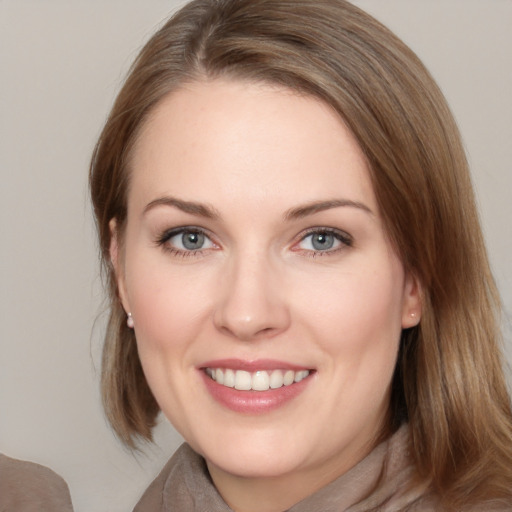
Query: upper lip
x,y
254,365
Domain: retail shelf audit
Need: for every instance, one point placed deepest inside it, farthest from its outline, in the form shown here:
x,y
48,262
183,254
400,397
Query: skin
x,y
257,156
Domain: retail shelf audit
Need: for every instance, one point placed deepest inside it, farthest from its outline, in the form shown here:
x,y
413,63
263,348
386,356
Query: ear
x,y
117,262
412,304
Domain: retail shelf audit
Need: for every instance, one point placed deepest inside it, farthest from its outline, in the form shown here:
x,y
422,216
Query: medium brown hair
x,y
449,382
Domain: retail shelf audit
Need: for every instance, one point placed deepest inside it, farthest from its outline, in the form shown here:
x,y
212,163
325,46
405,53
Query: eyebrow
x,y
320,206
202,210
298,212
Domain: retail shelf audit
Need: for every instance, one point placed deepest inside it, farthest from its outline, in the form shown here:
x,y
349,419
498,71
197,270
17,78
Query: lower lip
x,y
254,402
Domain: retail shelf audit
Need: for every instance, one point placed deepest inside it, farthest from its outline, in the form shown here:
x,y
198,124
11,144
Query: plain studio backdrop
x,y
61,64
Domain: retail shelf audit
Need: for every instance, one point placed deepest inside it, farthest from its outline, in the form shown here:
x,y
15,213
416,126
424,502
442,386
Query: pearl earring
x,y
129,321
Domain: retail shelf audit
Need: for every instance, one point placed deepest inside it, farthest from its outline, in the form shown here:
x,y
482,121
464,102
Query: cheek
x,y
168,304
357,320
359,302
169,308
361,333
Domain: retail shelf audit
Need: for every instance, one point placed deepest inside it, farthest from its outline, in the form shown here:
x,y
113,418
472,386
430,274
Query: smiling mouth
x,y
260,380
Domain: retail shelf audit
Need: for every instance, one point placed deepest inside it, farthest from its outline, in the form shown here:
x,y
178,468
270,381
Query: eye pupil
x,y
192,241
322,241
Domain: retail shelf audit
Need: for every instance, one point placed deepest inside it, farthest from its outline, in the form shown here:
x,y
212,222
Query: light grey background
x,y
61,63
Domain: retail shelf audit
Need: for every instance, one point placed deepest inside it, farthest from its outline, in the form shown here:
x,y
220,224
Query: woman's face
x,y
267,300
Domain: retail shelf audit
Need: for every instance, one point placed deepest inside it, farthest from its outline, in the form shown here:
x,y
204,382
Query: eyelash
x,y
341,236
162,241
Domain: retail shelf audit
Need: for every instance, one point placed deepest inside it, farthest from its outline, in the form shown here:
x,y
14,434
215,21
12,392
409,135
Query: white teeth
x,y
276,379
229,378
243,380
219,376
289,377
260,380
301,375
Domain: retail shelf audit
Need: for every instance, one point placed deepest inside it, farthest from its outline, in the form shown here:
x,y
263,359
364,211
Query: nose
x,y
252,304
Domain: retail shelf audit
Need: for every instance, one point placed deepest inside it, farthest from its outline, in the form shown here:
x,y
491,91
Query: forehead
x,y
257,139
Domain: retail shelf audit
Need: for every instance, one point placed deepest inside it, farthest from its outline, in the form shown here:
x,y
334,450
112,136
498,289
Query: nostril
x,y
249,331
250,306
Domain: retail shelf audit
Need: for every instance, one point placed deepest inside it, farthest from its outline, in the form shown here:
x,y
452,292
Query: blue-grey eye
x,y
187,240
322,241
192,241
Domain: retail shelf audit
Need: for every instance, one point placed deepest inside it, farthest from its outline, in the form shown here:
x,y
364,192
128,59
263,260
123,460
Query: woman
x,y
296,270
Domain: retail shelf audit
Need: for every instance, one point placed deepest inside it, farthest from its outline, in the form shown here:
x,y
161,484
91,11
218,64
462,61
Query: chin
x,y
252,458
252,465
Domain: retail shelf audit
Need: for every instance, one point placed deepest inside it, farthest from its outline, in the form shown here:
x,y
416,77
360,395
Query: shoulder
x,y
183,459
410,493
183,484
29,487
